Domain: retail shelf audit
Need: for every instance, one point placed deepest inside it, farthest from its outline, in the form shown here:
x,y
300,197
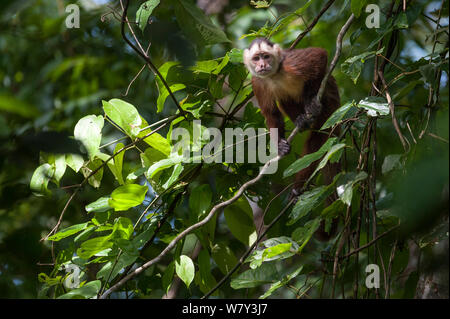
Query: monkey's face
x,y
262,59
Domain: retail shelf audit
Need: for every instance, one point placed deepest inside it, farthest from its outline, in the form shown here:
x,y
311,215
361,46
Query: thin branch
x,y
336,56
241,190
392,108
249,250
313,23
146,57
79,186
370,243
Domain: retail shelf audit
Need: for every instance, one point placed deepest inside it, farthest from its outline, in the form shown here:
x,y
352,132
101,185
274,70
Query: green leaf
x,y
116,164
345,191
391,162
374,105
353,65
123,228
199,201
193,21
309,201
123,261
66,232
239,218
337,116
163,92
60,167
206,279
93,246
308,159
259,4
89,290
168,276
357,5
156,141
205,66
177,170
255,277
303,234
96,179
74,161
88,131
283,282
100,205
39,181
163,164
184,267
333,155
144,12
276,248
224,257
127,196
124,115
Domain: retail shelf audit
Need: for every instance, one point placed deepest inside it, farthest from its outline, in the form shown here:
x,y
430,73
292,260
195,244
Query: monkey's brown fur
x,y
296,84
291,90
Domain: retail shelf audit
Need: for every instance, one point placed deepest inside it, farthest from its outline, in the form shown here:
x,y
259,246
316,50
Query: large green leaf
x,y
224,257
239,218
309,201
184,267
353,66
127,196
199,201
163,92
375,105
41,176
124,115
308,159
338,115
197,25
88,131
66,232
93,246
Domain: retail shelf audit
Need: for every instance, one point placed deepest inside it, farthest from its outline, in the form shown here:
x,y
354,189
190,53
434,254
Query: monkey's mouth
x,y
264,71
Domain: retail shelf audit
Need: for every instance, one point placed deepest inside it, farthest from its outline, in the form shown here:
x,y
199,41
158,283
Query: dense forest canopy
x,y
111,185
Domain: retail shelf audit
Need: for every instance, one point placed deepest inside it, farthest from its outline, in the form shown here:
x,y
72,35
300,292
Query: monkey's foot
x,y
304,122
283,147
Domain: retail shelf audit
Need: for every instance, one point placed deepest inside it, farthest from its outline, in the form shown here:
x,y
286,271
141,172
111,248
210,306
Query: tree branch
x,y
241,190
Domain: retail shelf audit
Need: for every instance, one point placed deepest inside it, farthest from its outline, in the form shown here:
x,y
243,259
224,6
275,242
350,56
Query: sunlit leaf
x,y
127,196
184,267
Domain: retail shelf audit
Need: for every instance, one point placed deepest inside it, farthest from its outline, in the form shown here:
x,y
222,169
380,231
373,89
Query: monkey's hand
x,y
283,147
304,122
313,108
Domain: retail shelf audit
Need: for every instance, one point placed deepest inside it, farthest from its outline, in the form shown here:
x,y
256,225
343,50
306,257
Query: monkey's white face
x,y
262,60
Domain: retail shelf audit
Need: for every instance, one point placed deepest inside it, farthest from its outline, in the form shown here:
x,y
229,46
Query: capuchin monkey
x,y
286,82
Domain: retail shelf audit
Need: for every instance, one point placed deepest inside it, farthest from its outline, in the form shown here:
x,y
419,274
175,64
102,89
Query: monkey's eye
x,y
255,58
266,56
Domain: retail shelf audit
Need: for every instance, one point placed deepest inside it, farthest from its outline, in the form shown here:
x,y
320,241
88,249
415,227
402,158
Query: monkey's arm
x,y
273,116
309,65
